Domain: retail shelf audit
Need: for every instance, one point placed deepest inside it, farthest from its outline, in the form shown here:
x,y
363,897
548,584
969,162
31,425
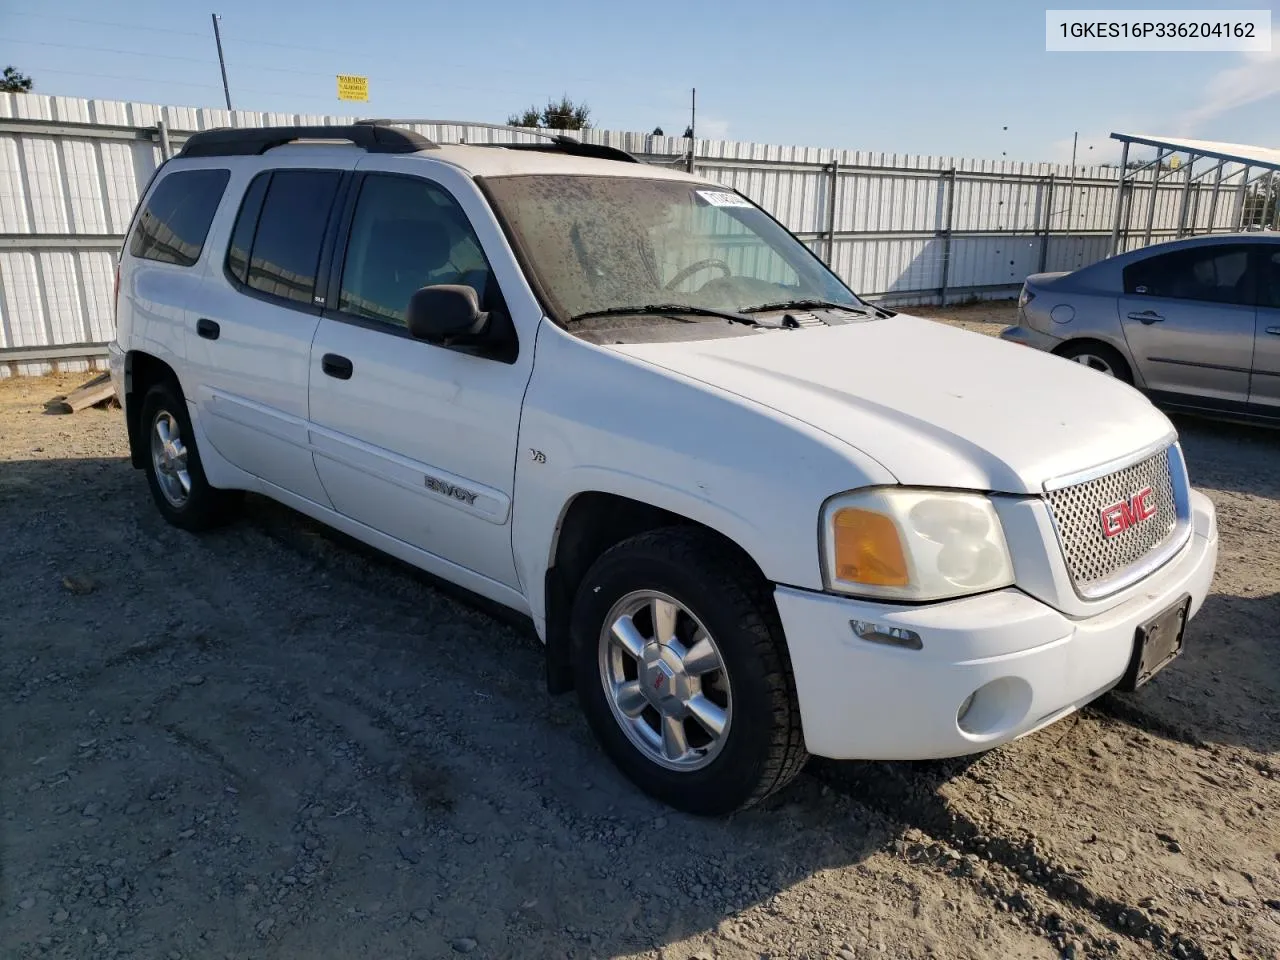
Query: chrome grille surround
x,y
1101,565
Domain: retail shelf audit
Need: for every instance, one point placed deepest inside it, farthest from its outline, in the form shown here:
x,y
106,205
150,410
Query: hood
x,y
934,405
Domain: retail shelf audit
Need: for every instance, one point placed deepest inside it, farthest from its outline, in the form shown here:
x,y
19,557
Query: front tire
x,y
683,673
178,485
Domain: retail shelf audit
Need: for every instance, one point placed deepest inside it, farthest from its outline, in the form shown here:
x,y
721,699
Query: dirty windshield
x,y
599,244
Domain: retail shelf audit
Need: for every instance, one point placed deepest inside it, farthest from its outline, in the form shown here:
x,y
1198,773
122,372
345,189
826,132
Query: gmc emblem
x,y
1119,517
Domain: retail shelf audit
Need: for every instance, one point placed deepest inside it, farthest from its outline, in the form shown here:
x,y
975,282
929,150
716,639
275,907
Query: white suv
x,y
751,515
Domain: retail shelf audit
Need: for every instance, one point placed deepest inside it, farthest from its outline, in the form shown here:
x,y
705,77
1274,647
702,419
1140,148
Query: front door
x,y
252,323
1188,318
414,440
1264,386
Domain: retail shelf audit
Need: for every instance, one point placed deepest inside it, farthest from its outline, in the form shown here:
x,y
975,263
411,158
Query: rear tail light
x,y
115,298
1026,296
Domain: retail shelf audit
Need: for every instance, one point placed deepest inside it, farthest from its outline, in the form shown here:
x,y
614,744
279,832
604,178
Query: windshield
x,y
599,244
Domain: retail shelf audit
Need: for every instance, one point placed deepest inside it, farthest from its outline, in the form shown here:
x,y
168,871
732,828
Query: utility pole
x,y
693,119
222,63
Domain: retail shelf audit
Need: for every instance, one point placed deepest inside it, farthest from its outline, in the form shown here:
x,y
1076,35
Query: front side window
x,y
608,243
408,233
1218,273
285,252
175,222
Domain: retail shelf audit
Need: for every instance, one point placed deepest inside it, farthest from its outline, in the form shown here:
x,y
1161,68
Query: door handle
x,y
336,366
1274,331
208,329
1146,316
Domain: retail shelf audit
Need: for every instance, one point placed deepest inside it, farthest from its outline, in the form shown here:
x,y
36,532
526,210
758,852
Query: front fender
x,y
595,420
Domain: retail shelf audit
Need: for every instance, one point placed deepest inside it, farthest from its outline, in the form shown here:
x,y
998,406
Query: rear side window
x,y
1218,273
1269,295
276,249
175,221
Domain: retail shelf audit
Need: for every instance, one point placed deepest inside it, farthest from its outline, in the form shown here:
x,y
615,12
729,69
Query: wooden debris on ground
x,y
94,393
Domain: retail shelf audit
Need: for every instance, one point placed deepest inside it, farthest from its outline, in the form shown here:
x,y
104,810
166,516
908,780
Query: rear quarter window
x,y
175,221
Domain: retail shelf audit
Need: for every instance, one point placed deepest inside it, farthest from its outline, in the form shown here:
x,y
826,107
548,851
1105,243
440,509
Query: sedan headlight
x,y
897,543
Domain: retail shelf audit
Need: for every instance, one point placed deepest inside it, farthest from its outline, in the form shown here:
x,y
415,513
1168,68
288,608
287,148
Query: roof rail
x,y
375,136
573,146
550,141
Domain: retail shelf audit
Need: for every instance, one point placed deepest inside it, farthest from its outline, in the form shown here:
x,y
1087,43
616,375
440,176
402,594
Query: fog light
x,y
887,636
964,709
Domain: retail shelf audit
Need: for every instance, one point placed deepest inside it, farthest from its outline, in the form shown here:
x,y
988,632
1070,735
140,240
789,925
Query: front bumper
x,y
1031,664
1030,338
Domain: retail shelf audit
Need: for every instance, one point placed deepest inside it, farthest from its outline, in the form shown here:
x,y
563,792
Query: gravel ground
x,y
270,742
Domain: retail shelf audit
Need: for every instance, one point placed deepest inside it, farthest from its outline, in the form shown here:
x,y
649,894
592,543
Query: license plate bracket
x,y
1156,644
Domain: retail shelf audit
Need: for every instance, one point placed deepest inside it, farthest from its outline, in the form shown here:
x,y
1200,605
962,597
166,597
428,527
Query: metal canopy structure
x,y
1236,167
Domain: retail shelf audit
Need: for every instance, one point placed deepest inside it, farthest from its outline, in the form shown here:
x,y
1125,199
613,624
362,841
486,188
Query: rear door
x,y
1188,317
252,323
1264,385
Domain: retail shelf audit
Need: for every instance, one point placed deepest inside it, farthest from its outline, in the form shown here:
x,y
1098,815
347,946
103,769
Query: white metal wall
x,y
906,226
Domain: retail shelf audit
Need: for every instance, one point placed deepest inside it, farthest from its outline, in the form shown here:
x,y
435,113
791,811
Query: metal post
x,y
1071,188
222,63
162,130
1155,192
1048,224
832,197
693,119
949,182
1186,196
1270,197
1213,197
1237,218
1115,226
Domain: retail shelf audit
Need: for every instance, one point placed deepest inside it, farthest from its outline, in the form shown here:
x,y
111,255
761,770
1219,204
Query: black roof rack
x,y
375,136
547,141
570,145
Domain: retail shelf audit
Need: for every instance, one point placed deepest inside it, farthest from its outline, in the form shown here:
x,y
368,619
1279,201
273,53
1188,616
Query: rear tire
x,y
1099,357
178,485
656,706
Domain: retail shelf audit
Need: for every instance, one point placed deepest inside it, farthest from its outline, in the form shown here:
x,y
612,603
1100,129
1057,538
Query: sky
x,y
963,79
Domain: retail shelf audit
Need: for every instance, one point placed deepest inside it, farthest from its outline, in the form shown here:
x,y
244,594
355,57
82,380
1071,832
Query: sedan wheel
x,y
1094,362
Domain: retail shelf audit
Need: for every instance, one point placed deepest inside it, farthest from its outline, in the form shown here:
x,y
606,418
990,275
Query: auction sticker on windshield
x,y
722,198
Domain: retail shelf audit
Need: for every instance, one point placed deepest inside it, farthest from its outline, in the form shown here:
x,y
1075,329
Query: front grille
x,y
1092,557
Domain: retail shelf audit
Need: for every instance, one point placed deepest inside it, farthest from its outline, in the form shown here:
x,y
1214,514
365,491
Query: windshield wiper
x,y
671,310
812,305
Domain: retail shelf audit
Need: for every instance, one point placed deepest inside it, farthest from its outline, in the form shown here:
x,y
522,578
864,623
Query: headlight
x,y
904,544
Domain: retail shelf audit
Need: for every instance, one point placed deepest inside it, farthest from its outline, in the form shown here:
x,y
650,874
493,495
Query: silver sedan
x,y
1194,324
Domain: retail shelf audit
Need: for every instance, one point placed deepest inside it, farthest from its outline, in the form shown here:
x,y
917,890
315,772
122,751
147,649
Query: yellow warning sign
x,y
352,87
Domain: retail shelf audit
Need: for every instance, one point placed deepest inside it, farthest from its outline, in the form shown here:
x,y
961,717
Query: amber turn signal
x,y
868,549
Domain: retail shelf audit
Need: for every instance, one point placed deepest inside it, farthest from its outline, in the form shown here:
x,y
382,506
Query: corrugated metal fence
x,y
911,228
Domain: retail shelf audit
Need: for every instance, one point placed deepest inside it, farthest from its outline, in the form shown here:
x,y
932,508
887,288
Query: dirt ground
x,y
268,742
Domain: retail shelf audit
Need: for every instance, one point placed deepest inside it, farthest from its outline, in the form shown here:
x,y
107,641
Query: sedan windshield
x,y
607,244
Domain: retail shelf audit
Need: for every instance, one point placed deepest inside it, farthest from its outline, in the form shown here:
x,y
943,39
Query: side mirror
x,y
446,314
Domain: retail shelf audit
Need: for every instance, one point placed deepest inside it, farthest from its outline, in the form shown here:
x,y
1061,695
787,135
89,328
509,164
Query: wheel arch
x,y
591,522
142,371
1121,350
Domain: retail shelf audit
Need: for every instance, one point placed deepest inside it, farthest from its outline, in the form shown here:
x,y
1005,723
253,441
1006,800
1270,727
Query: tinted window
x,y
246,224
286,246
175,222
408,233
1269,294
1217,273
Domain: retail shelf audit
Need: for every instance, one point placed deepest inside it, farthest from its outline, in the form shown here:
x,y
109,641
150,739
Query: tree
x,y
561,115
14,82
